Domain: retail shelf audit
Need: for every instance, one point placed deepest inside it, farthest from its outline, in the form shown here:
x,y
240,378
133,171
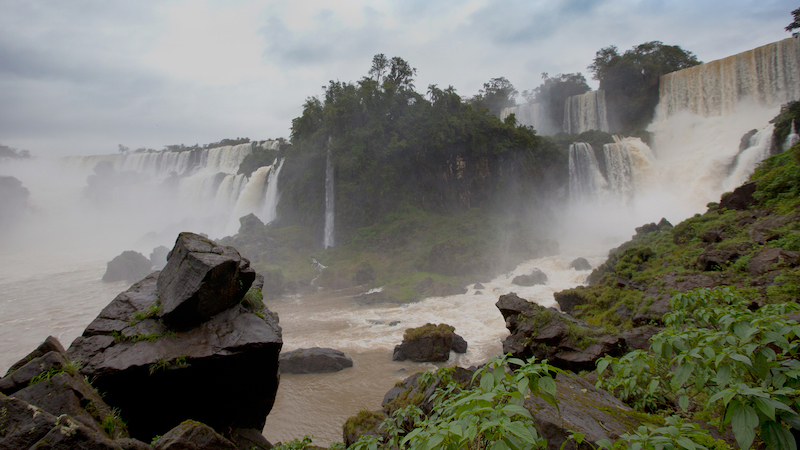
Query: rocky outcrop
x,y
581,409
158,257
549,334
741,198
580,264
190,342
193,435
314,360
128,266
45,403
769,258
532,279
429,343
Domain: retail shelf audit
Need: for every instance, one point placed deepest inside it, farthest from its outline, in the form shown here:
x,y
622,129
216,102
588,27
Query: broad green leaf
x,y
777,437
741,358
548,385
518,429
680,376
510,410
487,382
765,406
499,445
683,402
435,440
686,443
602,364
604,443
744,421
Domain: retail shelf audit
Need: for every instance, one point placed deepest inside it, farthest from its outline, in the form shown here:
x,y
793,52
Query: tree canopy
x,y
631,79
796,23
554,91
495,96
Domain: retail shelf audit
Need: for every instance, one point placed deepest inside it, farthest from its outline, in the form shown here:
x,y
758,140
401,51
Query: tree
x,y
796,23
123,149
555,90
379,66
631,79
496,95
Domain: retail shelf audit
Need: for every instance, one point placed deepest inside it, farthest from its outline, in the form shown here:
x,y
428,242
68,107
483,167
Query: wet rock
x,y
314,360
638,338
222,371
201,279
478,286
569,299
549,334
428,343
741,198
580,264
129,266
532,279
582,408
49,345
193,435
766,230
767,259
712,236
23,424
249,439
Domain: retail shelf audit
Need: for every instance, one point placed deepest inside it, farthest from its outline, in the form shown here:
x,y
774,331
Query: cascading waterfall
x,y
791,139
327,242
535,115
270,210
703,112
619,171
746,161
585,112
586,183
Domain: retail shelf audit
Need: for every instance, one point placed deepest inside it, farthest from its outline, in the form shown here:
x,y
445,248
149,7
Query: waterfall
x,y
791,139
270,209
328,239
585,112
746,161
768,76
618,171
586,183
535,115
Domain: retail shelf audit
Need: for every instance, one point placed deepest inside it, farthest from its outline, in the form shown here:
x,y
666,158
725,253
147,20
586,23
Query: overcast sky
x,y
81,76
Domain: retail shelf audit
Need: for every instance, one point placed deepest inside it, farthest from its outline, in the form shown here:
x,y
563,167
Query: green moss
x,y
146,313
428,330
364,420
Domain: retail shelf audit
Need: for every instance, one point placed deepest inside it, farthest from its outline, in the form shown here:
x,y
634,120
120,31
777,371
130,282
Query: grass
x,y
428,330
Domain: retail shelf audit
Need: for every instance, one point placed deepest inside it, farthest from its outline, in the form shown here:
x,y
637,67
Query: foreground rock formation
x,y
314,360
191,344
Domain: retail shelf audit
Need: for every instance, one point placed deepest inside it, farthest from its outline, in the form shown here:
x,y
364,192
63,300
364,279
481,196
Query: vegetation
x,y
495,96
9,152
715,350
554,91
631,80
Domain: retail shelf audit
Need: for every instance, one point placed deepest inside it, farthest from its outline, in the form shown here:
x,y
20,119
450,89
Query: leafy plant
x,y
489,414
745,362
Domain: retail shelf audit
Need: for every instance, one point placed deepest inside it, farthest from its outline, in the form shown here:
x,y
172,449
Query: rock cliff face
x,y
193,342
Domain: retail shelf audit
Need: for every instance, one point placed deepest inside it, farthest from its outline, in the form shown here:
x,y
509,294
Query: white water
x,y
585,112
327,241
586,183
792,138
270,210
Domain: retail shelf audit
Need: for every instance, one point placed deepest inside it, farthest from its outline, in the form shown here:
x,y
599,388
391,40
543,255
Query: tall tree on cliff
x,y
496,95
796,23
555,90
631,80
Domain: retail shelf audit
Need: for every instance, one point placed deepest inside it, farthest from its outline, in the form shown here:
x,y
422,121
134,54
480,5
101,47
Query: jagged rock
x,y
569,299
23,424
535,277
193,435
250,439
741,198
638,338
582,408
158,258
459,344
427,343
223,371
128,266
717,259
711,236
250,224
549,334
478,286
766,259
664,225
580,264
69,434
314,360
201,279
765,230
49,345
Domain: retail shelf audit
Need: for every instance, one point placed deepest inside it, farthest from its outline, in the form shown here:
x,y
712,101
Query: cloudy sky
x,y
81,76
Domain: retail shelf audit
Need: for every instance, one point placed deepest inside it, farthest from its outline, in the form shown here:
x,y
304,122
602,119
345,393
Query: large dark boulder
x,y
549,334
128,266
584,409
532,279
193,435
580,264
428,343
222,371
569,299
769,258
200,280
314,360
741,198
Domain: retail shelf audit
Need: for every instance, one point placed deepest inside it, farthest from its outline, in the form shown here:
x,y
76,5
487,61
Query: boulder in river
x,y
429,343
532,279
580,264
190,342
128,266
314,360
